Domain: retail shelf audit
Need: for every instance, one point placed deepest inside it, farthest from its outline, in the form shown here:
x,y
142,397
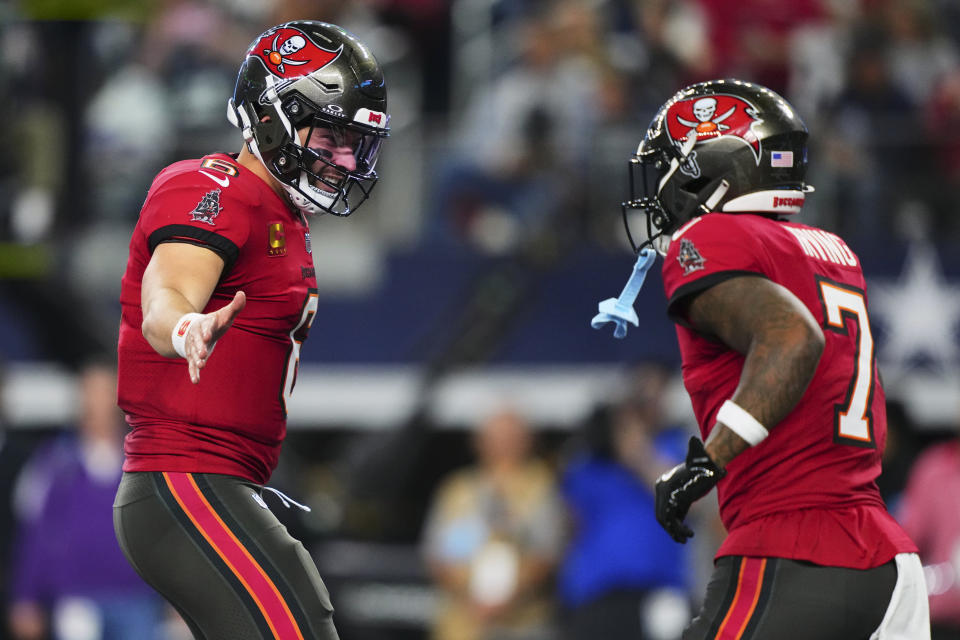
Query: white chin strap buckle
x,y
303,203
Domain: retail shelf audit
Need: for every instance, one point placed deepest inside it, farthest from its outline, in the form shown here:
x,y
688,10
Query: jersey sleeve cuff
x,y
674,304
221,245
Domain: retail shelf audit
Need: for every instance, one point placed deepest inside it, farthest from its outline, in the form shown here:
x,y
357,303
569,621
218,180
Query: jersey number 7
x,y
853,420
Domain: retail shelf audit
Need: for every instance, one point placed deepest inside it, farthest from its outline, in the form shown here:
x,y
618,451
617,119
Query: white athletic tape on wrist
x,y
742,423
179,334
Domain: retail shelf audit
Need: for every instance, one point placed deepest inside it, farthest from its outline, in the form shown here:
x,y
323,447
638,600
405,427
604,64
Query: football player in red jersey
x,y
778,359
217,298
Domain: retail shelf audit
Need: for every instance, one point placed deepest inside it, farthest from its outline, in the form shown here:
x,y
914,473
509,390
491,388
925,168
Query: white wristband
x,y
742,423
179,335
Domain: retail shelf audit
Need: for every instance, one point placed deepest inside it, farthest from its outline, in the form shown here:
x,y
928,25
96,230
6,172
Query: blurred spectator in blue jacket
x,y
622,576
70,580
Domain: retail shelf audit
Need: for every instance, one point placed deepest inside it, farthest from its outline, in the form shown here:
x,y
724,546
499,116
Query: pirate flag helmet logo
x,y
710,117
304,88
290,53
719,146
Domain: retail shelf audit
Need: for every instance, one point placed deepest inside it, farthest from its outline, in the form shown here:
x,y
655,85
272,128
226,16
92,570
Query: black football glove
x,y
680,487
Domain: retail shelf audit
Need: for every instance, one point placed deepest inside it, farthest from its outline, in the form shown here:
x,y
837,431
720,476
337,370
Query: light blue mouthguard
x,y
620,310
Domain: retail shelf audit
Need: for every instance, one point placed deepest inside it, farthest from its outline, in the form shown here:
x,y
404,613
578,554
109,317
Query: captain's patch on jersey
x,y
689,257
208,208
276,240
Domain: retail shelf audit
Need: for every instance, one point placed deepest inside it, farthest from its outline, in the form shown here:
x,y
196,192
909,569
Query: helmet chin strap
x,y
661,244
246,127
301,202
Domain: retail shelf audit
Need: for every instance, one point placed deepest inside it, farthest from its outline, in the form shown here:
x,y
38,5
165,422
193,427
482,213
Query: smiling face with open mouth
x,y
328,161
335,149
311,101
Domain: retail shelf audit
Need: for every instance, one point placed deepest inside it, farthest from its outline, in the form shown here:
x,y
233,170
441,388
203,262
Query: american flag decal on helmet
x,y
781,159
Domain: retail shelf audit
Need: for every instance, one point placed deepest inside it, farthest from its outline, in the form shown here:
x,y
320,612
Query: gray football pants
x,y
210,546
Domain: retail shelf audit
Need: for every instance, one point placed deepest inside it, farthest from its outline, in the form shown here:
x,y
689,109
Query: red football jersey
x,y
807,492
234,420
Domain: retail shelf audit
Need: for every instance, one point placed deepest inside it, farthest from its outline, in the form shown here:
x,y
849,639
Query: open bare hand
x,y
202,335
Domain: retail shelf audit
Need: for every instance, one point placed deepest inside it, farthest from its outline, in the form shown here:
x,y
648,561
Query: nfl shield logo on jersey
x,y
208,208
689,258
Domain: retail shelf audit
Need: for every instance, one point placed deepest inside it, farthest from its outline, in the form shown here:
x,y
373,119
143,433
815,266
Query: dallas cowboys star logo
x,y
919,314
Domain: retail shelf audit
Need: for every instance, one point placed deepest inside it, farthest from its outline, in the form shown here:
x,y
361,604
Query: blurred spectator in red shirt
x,y
750,39
930,513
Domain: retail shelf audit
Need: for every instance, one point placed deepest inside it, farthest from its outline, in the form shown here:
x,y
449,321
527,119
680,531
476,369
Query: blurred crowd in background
x,y
511,125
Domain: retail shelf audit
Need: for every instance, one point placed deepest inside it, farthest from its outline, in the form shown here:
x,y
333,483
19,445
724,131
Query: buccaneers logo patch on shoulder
x,y
689,257
208,208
